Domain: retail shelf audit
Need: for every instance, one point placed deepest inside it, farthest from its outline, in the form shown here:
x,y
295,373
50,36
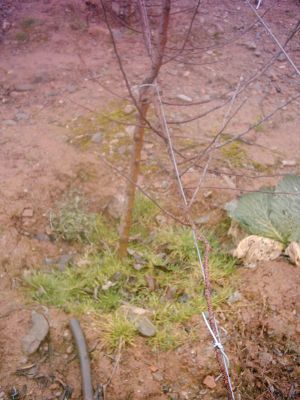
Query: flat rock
x,y
255,248
23,87
139,317
21,116
38,332
184,98
289,163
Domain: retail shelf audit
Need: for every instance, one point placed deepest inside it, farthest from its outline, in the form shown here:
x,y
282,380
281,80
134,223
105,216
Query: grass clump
x,y
161,274
73,223
235,154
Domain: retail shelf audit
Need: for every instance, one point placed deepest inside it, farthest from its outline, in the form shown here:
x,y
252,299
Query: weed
x,y
117,329
235,154
27,23
22,37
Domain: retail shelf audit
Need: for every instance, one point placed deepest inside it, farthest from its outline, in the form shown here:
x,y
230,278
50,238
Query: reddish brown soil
x,y
38,165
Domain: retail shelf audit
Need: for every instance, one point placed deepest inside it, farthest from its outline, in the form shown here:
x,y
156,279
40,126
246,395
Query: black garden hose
x,y
85,366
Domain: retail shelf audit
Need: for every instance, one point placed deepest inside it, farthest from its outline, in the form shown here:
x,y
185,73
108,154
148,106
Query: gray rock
x,y
257,53
139,317
23,87
145,327
250,45
71,88
97,137
21,116
9,122
42,77
158,376
38,332
184,98
281,57
63,261
42,237
235,297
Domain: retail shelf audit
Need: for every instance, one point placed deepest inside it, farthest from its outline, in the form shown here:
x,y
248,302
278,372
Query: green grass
x,y
99,282
235,154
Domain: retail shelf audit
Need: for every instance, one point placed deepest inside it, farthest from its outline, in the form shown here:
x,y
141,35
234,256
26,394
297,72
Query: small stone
x,y
138,316
9,122
288,163
281,57
186,74
209,381
235,297
184,298
257,53
42,77
151,282
129,109
64,260
207,194
204,99
27,212
97,138
204,219
42,237
67,335
21,116
184,98
38,332
69,350
23,87
130,129
250,45
293,252
158,376
71,88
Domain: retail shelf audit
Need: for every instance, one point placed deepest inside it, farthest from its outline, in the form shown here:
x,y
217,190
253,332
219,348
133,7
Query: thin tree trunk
x,y
138,141
143,106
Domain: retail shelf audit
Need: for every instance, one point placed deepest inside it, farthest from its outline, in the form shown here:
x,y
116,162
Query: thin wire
x,y
274,37
180,185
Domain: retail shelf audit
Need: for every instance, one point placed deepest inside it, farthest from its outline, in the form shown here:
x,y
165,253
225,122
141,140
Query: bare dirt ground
x,y
48,73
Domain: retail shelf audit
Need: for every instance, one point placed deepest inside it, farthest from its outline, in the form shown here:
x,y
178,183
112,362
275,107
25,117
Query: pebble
x,y
27,212
42,77
67,335
69,350
129,109
250,45
209,381
21,116
288,163
71,88
23,87
9,122
42,237
97,137
234,298
158,376
185,98
281,57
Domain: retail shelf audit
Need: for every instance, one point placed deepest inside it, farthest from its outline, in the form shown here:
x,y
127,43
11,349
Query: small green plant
x,y
118,331
28,23
235,154
73,223
22,37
